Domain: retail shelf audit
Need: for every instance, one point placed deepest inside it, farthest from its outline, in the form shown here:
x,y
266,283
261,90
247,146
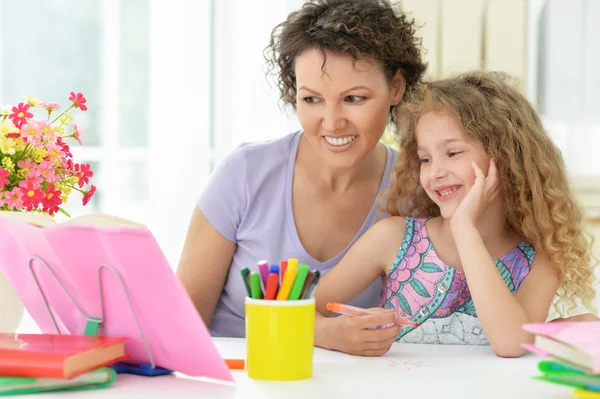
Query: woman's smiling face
x,y
343,105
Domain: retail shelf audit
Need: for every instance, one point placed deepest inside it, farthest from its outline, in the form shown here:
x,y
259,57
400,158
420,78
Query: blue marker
x,y
275,269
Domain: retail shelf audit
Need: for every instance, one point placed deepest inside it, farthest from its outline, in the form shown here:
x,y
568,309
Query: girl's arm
x,y
366,261
502,314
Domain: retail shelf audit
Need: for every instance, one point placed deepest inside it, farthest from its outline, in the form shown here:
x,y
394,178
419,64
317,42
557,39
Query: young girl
x,y
484,229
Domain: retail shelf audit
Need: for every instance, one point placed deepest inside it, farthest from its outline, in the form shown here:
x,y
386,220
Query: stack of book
x,y
571,352
32,363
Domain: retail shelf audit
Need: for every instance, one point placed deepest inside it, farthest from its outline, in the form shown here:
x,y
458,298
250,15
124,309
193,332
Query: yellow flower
x,y
38,154
21,173
7,127
66,191
8,164
19,144
34,102
7,146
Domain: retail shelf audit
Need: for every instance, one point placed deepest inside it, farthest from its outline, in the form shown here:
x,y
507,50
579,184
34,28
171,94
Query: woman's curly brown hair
x,y
534,185
372,30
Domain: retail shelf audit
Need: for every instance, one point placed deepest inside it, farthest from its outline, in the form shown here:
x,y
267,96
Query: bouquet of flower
x,y
37,171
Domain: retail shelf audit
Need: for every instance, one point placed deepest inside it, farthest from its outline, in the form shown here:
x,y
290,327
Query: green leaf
x,y
64,212
430,268
419,288
404,304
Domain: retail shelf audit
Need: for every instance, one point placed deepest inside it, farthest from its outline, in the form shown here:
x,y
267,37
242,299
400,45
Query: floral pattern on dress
x,y
422,288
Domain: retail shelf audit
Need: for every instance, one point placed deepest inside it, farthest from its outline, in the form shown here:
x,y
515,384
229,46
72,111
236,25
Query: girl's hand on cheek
x,y
483,192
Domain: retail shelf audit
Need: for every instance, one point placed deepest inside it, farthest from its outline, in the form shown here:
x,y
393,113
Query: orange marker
x,y
354,311
235,364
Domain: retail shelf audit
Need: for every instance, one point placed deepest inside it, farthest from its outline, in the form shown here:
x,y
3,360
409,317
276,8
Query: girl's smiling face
x,y
446,154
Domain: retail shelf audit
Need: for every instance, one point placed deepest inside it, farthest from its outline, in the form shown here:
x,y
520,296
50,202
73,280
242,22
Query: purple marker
x,y
263,269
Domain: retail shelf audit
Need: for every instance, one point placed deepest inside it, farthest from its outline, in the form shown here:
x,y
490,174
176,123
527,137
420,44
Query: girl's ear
x,y
398,88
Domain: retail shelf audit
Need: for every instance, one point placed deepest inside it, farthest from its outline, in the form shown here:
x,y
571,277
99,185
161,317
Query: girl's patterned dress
x,y
420,287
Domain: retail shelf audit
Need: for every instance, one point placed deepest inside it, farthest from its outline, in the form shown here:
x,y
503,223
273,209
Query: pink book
x,y
174,332
577,343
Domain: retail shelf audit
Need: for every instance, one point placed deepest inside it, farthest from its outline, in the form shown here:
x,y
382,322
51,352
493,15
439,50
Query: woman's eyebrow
x,y
341,94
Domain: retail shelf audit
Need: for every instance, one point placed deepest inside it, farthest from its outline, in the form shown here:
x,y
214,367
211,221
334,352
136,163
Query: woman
x,y
343,65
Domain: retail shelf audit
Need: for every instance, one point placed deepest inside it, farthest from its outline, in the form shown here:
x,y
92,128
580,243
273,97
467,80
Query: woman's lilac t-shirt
x,y
248,201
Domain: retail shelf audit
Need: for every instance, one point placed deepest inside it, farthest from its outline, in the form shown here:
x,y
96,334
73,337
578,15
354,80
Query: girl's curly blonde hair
x,y
534,185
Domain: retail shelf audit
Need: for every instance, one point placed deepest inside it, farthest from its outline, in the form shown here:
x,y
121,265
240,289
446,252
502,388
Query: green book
x,y
100,378
563,374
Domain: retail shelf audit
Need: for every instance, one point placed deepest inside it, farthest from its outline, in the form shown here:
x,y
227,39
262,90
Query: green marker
x,y
255,286
298,282
245,273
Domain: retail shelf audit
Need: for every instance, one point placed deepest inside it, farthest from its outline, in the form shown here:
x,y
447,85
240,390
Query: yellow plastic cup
x,y
280,339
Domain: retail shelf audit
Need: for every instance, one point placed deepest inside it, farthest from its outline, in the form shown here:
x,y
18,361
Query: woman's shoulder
x,y
266,150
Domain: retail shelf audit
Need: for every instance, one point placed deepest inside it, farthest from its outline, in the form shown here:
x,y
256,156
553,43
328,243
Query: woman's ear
x,y
398,88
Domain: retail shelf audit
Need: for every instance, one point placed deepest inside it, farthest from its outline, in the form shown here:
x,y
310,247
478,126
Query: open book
x,y
100,267
94,219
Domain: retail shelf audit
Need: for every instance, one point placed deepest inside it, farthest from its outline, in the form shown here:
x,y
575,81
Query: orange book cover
x,y
57,355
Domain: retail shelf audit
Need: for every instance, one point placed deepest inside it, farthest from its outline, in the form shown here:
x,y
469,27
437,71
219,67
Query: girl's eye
x,y
311,100
453,153
355,99
425,160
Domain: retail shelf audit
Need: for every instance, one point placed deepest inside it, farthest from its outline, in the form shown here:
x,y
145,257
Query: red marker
x,y
272,286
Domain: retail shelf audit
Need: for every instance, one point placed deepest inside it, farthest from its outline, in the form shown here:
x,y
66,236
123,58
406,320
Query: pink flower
x,y
33,177
27,163
46,171
50,106
31,132
20,114
14,199
51,199
47,130
31,196
55,151
69,165
83,173
3,178
65,147
78,101
78,135
88,195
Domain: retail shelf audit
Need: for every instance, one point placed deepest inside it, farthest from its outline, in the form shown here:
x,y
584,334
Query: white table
x,y
407,371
